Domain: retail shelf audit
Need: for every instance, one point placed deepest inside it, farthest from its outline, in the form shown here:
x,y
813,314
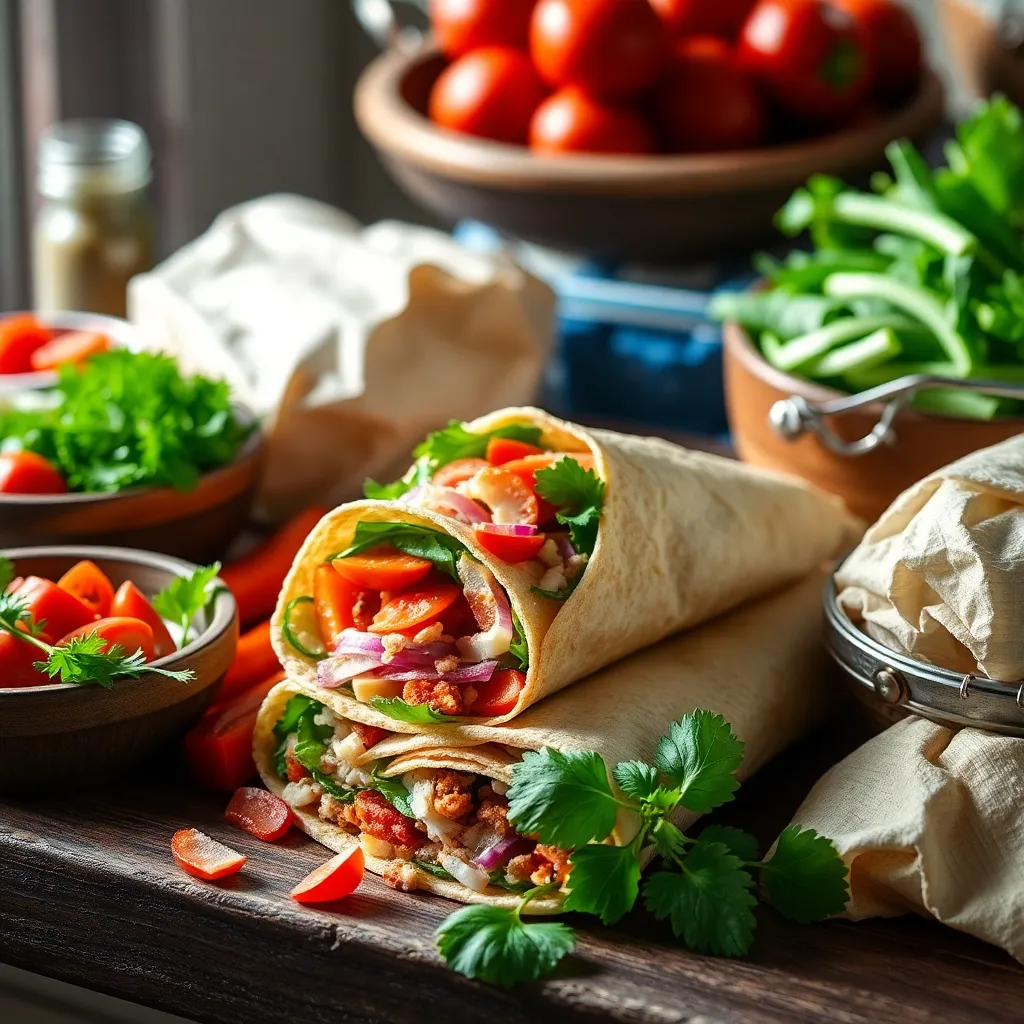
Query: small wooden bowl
x,y
868,484
197,524
657,207
65,736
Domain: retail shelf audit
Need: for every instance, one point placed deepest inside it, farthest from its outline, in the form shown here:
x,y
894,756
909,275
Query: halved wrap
x,y
681,537
429,808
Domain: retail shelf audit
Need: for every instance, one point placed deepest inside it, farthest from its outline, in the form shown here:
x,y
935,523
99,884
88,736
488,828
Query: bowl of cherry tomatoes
x,y
643,129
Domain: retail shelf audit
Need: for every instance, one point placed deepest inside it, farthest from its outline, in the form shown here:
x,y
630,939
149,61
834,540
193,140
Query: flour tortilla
x,y
684,536
763,667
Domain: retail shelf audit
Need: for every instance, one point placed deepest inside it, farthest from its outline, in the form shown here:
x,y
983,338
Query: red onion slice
x,y
564,545
332,672
508,529
448,502
491,609
479,673
501,852
353,642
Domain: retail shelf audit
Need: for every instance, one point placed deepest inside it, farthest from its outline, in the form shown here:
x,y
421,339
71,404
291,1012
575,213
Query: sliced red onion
x,y
479,673
332,672
501,852
372,646
490,608
564,545
448,502
508,529
352,641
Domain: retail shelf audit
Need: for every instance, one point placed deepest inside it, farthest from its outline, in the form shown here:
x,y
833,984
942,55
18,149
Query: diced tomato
x,y
72,347
500,694
218,749
509,548
254,660
260,813
458,471
383,568
382,820
338,878
294,769
28,473
129,634
369,735
528,466
89,583
202,857
20,337
340,604
414,609
130,601
17,659
61,611
504,449
505,493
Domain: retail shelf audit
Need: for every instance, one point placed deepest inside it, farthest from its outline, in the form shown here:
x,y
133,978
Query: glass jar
x,y
94,231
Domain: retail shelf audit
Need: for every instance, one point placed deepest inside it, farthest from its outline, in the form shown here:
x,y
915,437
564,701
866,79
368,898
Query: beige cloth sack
x,y
351,343
940,577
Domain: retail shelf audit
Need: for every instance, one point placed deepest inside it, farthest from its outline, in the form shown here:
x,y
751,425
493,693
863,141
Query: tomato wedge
x,y
17,659
504,449
20,337
61,611
339,604
505,493
254,660
338,878
382,568
458,471
414,609
28,473
131,602
202,857
129,634
260,813
73,347
500,694
89,583
508,547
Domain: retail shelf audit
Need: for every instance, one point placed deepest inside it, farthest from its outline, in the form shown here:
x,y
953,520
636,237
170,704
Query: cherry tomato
x,y
130,602
500,694
510,548
707,101
202,857
338,878
72,347
89,583
414,609
28,473
61,611
463,25
893,44
505,493
491,92
505,449
382,568
340,604
260,813
20,336
458,471
811,56
129,634
611,48
573,121
369,735
17,659
703,17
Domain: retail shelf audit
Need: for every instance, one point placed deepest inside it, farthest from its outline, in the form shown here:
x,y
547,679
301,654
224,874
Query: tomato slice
x,y
46,602
17,659
20,337
89,583
382,568
338,878
414,609
260,813
526,467
504,449
202,857
129,634
73,347
458,471
28,473
509,548
505,493
334,600
131,602
500,694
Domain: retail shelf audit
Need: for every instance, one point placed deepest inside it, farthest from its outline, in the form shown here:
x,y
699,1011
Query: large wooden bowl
x,y
869,483
655,208
63,736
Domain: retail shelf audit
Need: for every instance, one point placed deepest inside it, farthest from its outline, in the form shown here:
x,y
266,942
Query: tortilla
x,y
684,536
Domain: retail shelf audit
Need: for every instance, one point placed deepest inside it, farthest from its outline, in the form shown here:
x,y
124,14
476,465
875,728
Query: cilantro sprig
x,y
705,887
186,596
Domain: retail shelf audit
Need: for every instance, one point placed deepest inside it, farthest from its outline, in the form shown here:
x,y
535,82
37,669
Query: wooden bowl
x,y
197,524
655,208
65,736
868,483
981,61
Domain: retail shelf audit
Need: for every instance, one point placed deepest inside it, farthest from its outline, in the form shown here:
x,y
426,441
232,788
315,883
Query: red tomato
x,y
463,25
20,336
46,601
810,55
131,602
254,660
369,735
28,473
382,568
491,92
199,855
414,609
89,583
708,102
338,878
611,48
260,813
505,493
129,634
527,467
500,694
893,44
458,471
703,17
509,548
17,659
505,449
573,121
334,601
72,347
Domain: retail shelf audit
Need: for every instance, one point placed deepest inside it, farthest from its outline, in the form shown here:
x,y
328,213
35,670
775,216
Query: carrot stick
x,y
254,660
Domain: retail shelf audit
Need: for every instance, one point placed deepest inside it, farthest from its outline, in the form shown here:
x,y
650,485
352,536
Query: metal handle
x,y
381,24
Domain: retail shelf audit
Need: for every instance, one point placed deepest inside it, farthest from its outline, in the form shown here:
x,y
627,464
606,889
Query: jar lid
x,y
93,157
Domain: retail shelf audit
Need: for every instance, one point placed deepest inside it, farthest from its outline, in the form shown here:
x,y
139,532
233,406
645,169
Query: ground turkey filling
x,y
459,816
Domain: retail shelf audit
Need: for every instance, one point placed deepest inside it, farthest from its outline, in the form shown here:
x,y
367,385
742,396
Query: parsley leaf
x,y
402,711
741,844
708,902
185,596
88,659
636,779
420,541
699,756
393,790
456,442
578,493
564,798
604,881
805,878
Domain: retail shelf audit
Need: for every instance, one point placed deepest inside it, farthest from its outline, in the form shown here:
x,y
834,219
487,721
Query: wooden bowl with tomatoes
x,y
58,736
643,129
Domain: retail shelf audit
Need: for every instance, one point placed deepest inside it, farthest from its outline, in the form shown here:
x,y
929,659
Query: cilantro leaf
x,y
668,840
185,596
88,659
565,799
805,878
420,541
604,881
699,755
578,493
393,790
293,711
402,711
636,779
741,844
496,946
708,901
518,647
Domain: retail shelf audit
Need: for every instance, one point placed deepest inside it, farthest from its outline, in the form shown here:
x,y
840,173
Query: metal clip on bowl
x,y
793,417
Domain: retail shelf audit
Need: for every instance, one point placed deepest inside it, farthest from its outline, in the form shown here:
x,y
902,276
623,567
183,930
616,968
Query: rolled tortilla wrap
x,y
684,536
762,667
